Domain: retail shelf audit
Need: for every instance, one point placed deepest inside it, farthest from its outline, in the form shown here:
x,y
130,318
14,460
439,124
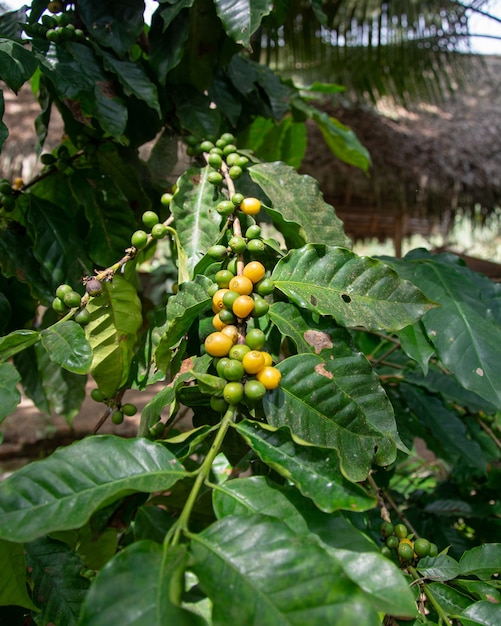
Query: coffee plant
x,y
274,477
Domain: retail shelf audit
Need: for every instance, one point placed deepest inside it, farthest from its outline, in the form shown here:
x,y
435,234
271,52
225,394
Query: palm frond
x,y
403,48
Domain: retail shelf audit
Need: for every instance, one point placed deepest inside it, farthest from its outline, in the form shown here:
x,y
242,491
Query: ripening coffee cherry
x,y
149,219
270,377
97,395
218,404
217,252
422,547
139,239
237,244
82,316
254,390
250,206
72,299
218,344
223,278
233,392
62,290
94,287
255,339
129,409
159,231
405,550
215,178
254,271
166,199
400,531
386,529
253,361
243,306
58,305
241,285
117,417
253,232
235,172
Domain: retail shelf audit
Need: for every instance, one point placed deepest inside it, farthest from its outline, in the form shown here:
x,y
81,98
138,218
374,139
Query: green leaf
x,y
258,571
326,403
64,490
17,341
465,329
67,346
57,245
314,471
482,561
107,210
340,139
134,80
115,319
441,567
297,206
416,345
59,588
449,599
9,393
113,25
361,560
479,590
17,63
196,220
484,613
53,390
356,291
285,141
242,18
13,588
140,586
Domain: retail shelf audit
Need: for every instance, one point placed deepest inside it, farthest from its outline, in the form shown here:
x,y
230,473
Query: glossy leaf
x,y
111,220
57,244
242,18
17,63
141,585
416,345
13,588
115,26
59,587
257,571
53,389
17,341
478,589
340,139
315,471
67,346
381,580
451,600
62,491
482,561
483,613
356,291
196,220
134,80
297,205
441,567
325,403
9,393
447,430
464,329
115,318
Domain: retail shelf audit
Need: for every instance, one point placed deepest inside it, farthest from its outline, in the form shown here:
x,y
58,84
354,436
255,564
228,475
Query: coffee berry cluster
x,y
241,286
117,410
56,28
401,544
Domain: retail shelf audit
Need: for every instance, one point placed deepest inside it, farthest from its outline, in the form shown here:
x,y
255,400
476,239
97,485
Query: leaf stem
x,y
181,526
433,601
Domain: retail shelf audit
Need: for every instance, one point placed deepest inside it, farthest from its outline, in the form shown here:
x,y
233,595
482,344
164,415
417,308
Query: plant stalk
x,y
433,601
181,525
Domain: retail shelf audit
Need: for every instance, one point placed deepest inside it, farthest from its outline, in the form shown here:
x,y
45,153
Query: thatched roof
x,y
428,162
